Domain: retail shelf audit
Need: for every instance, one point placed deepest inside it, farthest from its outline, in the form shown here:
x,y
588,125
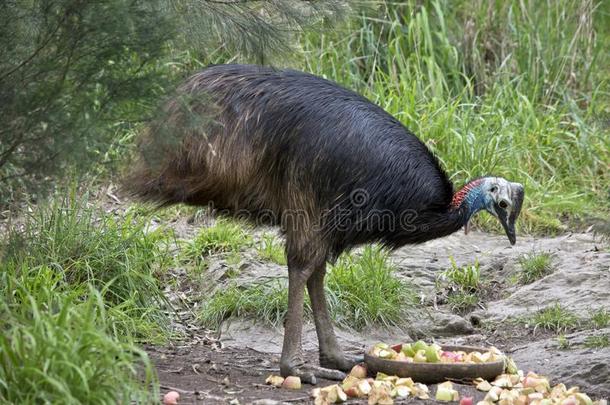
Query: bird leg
x,y
331,355
291,362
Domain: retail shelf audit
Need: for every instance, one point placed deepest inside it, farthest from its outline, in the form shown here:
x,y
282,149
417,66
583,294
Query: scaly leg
x,y
331,355
291,362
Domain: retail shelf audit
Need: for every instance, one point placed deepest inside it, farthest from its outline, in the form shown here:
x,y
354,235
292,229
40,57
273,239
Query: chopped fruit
x,y
408,350
292,383
275,380
503,381
432,355
512,388
401,391
484,386
380,395
336,394
583,399
494,394
571,400
349,382
171,398
466,401
359,371
402,357
420,391
329,395
420,352
364,387
420,357
386,354
446,393
420,345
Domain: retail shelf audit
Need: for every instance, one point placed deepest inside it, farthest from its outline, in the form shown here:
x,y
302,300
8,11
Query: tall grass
x,y
53,348
86,246
512,88
78,289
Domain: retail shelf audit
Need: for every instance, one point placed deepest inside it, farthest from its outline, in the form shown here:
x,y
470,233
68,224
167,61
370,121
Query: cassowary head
x,y
498,196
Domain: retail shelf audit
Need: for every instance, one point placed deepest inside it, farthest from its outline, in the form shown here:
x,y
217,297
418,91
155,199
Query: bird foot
x,y
309,374
340,361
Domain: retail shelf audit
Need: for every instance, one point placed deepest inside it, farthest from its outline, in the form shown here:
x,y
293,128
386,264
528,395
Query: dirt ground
x,y
230,366
206,376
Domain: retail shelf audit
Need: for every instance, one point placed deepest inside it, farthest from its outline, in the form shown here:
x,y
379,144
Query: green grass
x,y
600,319
597,342
463,285
57,345
554,318
271,250
361,291
266,302
535,266
462,302
465,278
562,342
79,289
491,88
117,256
225,236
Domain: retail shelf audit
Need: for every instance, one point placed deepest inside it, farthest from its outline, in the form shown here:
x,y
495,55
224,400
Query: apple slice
x,y
274,380
292,382
359,371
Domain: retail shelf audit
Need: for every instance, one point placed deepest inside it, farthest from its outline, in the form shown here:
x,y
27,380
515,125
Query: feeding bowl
x,y
429,373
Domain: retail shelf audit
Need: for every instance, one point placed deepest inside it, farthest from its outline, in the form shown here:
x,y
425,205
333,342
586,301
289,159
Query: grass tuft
x,y
562,342
597,342
535,266
225,236
272,250
461,302
600,318
464,286
554,318
266,302
466,278
363,290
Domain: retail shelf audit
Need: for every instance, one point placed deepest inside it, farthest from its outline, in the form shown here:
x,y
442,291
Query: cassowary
x,y
329,167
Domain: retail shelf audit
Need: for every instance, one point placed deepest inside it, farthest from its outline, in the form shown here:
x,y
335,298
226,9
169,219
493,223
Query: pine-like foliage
x,y
252,30
73,73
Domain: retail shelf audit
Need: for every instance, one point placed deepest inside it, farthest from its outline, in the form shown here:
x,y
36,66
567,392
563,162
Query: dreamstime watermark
x,y
356,213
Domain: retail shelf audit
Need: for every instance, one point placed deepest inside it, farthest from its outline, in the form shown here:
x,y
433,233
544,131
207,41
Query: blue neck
x,y
473,202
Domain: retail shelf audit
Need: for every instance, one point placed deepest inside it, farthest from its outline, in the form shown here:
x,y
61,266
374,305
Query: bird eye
x,y
503,204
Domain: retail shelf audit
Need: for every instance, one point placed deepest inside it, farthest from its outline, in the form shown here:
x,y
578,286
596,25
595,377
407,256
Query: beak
x,y
508,219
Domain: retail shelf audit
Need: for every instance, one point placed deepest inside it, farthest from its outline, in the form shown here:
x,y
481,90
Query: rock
x,y
440,324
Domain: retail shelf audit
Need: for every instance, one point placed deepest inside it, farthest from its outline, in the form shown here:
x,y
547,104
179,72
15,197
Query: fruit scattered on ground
x,y
275,380
171,398
380,391
531,389
446,393
292,383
